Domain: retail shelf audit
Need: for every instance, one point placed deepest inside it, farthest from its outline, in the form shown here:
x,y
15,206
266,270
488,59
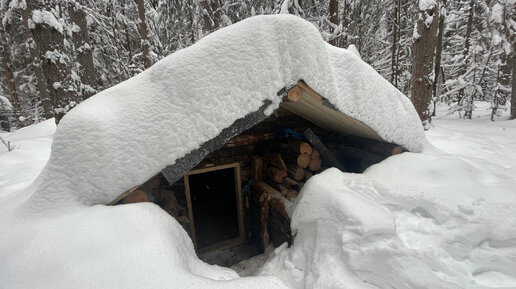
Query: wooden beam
x,y
372,146
257,168
367,159
247,139
323,150
128,192
311,106
123,195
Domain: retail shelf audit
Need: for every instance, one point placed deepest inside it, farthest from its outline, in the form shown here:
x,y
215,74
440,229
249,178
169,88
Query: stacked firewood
x,y
279,174
289,166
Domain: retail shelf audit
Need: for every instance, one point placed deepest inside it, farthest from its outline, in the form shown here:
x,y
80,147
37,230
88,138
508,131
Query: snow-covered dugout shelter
x,y
214,133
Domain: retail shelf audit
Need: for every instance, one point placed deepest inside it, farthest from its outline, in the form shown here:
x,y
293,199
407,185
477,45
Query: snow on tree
x,y
425,33
103,43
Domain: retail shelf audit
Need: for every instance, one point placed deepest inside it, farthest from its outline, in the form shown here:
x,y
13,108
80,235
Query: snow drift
x,y
124,135
352,231
447,223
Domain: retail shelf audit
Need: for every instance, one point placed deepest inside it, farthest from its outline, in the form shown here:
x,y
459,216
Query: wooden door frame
x,y
238,189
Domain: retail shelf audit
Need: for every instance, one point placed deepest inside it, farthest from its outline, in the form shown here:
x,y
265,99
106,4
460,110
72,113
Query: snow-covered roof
x,y
124,135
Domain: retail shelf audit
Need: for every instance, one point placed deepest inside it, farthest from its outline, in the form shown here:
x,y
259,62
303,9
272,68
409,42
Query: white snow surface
x,y
354,49
425,5
443,218
5,104
124,135
46,17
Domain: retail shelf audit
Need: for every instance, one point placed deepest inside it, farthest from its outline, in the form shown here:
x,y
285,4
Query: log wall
x,y
272,171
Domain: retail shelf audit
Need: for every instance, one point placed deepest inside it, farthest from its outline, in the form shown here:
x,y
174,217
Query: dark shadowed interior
x,y
214,206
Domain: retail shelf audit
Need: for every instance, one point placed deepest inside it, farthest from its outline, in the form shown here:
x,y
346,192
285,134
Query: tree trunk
x,y
143,34
513,93
334,19
504,82
395,27
34,51
8,73
84,55
210,15
438,52
423,53
468,101
504,73
345,11
360,24
54,62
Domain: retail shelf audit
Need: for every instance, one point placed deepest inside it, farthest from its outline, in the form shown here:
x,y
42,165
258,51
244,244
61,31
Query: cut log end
x,y
294,94
300,147
303,161
276,160
307,174
397,150
315,164
295,172
276,174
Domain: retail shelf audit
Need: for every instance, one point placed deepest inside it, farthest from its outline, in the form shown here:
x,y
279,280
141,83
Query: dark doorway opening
x,y
214,201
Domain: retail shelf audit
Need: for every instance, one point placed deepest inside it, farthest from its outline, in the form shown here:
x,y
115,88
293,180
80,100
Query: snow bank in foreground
x,y
122,136
129,246
346,238
27,159
439,219
355,232
444,218
430,220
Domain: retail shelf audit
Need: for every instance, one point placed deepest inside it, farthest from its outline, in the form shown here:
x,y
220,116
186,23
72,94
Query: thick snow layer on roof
x,y
365,95
122,136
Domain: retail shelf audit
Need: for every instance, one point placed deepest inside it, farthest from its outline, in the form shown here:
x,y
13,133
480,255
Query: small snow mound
x,y
353,49
128,246
341,203
344,230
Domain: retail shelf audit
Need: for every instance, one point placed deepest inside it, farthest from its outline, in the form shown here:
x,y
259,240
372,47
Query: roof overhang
x,y
308,104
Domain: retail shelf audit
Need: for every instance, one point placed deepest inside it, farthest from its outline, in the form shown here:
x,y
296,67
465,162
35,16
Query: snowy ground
x,y
445,218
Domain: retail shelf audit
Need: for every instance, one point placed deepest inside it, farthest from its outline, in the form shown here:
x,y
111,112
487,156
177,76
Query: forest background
x,y
56,53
